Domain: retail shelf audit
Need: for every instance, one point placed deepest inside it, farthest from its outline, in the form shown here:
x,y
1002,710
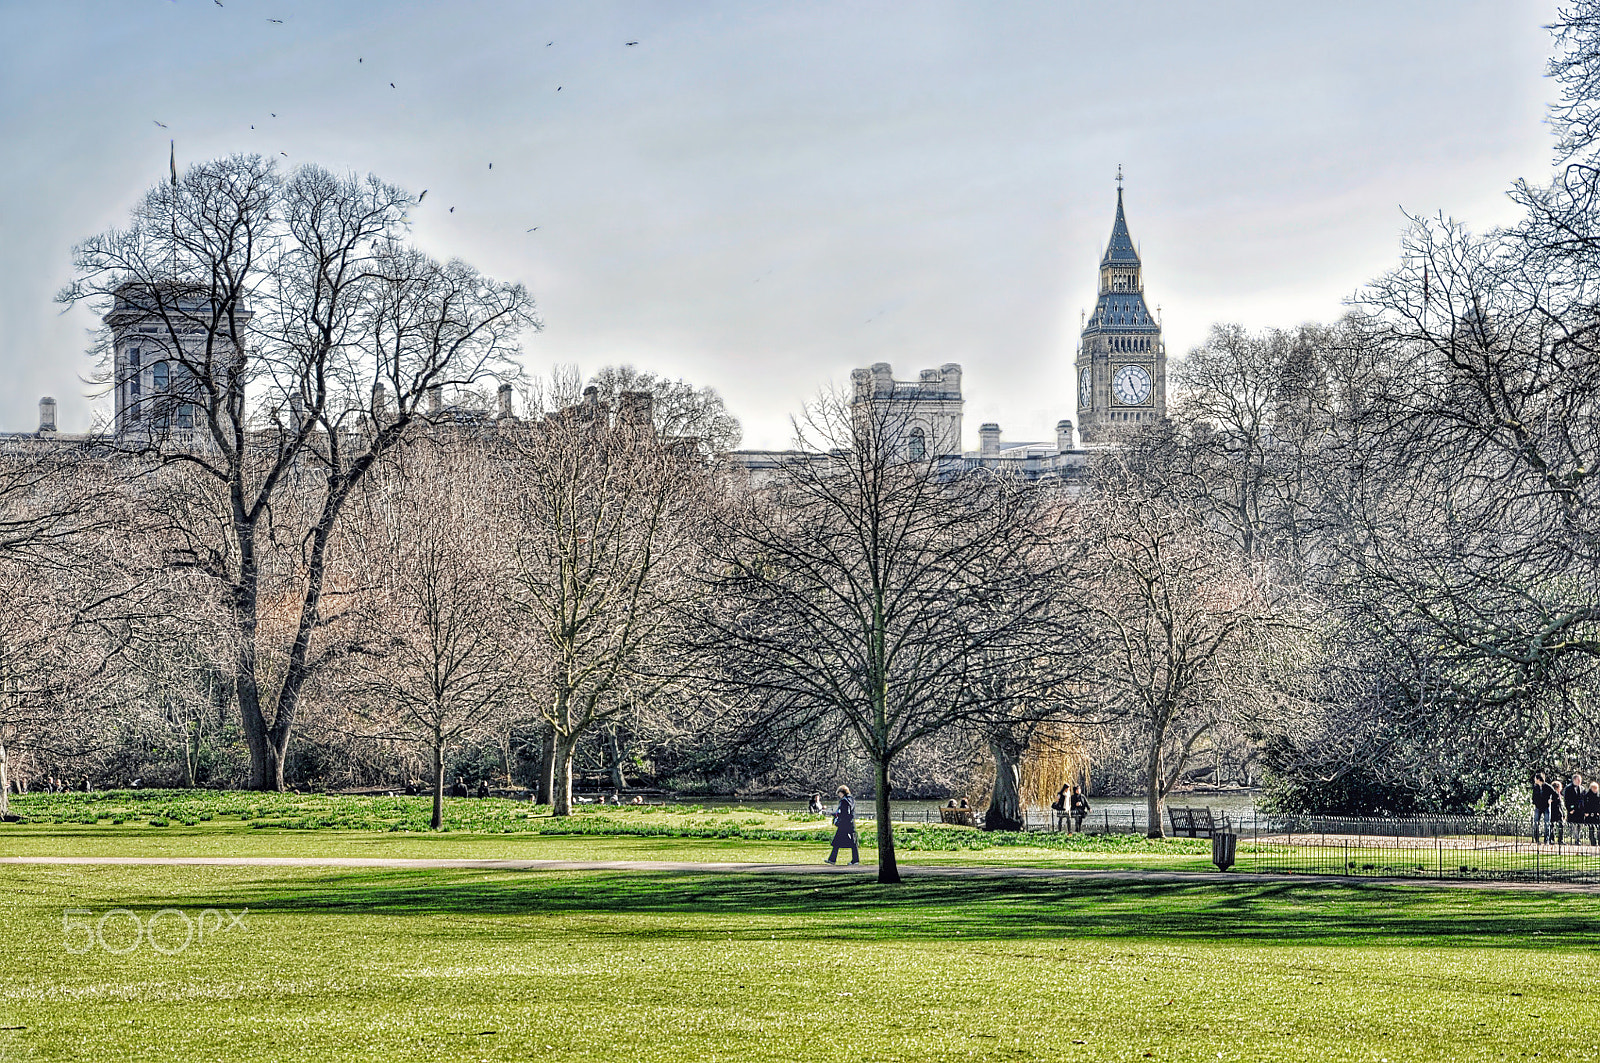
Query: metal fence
x,y
1454,847
1436,847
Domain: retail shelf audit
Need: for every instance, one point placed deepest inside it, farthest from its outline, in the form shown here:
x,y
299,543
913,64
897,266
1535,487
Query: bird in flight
x,y
360,60
452,210
491,166
548,43
391,84
163,125
423,196
273,115
252,127
558,88
630,44
534,229
217,2
279,21
285,154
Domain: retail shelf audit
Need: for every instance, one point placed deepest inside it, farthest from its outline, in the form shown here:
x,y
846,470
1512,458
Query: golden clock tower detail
x,y
1122,364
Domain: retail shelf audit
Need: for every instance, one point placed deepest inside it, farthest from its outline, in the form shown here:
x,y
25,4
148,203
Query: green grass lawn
x,y
380,965
210,823
455,965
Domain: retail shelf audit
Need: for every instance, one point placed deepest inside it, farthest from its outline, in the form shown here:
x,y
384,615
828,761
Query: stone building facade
x,y
1121,370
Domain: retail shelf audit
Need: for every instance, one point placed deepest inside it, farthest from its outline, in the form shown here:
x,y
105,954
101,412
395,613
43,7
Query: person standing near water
x,y
1080,809
844,828
1572,797
1542,792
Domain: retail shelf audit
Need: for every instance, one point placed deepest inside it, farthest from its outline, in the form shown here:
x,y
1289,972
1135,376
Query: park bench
x,y
1191,822
959,817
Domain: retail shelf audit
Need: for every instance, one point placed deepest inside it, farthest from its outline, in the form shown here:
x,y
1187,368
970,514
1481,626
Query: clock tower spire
x,y
1121,363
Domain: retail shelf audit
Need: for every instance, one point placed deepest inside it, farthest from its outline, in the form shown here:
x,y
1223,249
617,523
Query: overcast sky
x,y
762,196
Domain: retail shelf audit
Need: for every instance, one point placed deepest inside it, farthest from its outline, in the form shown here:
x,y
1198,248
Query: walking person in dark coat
x,y
1557,821
844,828
1080,808
1542,793
1572,797
1591,812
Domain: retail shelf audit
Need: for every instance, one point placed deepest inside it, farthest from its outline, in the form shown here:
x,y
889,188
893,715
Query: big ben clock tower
x,y
1122,364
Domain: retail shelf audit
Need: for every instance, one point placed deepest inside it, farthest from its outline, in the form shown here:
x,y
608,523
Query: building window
x,y
919,445
159,374
133,372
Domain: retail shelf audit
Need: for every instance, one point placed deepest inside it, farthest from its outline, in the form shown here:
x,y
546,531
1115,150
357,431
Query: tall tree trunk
x,y
191,752
561,774
266,751
888,869
1152,784
618,779
438,783
1005,802
5,781
547,768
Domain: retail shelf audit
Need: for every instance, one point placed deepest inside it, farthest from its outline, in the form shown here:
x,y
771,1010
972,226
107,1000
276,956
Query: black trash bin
x,y
1224,847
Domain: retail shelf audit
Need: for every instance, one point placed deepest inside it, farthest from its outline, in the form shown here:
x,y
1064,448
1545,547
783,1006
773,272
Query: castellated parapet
x,y
928,408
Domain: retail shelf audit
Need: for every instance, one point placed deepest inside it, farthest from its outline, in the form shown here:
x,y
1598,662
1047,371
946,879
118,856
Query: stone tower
x,y
1122,364
160,337
928,409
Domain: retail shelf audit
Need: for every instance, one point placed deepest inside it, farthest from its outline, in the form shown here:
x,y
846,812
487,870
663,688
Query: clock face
x,y
1131,385
1085,381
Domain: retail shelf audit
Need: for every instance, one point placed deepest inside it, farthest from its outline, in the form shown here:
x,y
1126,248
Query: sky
x,y
760,197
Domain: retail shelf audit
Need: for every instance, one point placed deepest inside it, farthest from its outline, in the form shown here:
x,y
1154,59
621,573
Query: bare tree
x,y
292,339
607,515
67,589
877,591
1174,617
1257,416
440,665
679,411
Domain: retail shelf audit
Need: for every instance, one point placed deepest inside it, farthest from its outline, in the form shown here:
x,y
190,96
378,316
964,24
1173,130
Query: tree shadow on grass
x,y
688,905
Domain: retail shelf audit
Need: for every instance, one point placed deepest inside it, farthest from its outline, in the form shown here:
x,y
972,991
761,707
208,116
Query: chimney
x,y
951,372
634,409
47,415
1063,436
435,400
882,379
505,402
861,384
989,440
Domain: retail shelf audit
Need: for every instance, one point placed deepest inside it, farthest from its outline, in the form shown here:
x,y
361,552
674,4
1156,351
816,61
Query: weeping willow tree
x,y
1023,766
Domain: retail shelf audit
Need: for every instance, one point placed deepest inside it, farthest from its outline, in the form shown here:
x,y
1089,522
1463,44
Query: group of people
x,y
1070,802
1070,805
1556,806
53,785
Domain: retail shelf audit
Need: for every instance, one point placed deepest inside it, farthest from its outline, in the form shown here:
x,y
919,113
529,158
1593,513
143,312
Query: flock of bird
x,y
362,60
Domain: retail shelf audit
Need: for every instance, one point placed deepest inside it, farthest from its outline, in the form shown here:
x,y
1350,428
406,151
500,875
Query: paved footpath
x,y
906,870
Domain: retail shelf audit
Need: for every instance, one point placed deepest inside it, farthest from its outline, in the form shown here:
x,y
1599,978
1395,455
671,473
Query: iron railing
x,y
1446,847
